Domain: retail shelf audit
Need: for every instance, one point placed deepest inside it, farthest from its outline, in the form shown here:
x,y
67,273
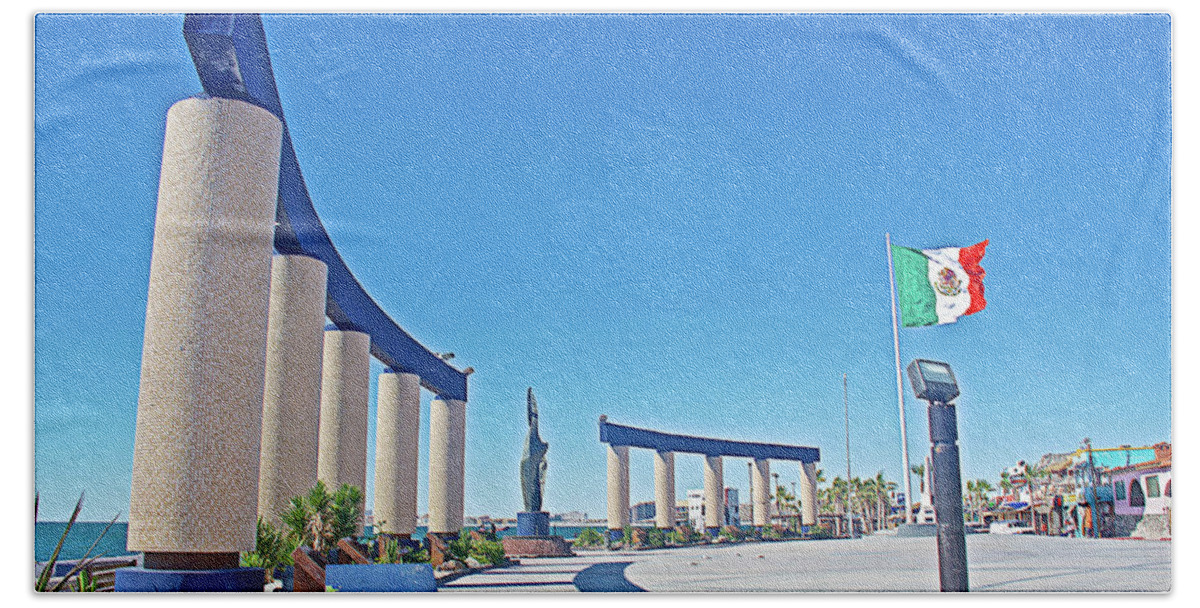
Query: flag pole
x,y
908,497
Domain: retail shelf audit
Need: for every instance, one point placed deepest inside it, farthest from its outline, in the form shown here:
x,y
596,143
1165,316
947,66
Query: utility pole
x,y
849,486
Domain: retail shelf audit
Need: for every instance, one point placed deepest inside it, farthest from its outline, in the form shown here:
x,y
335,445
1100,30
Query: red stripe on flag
x,y
969,257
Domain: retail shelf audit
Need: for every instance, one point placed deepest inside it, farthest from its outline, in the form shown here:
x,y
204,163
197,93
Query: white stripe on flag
x,y
953,297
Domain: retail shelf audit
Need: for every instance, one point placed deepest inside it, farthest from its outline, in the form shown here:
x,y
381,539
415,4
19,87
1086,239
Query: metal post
x,y
947,497
849,487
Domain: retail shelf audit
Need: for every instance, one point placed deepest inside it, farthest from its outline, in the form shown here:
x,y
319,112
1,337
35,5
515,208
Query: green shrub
x,y
389,551
272,548
459,549
627,536
415,556
656,538
589,537
319,519
487,551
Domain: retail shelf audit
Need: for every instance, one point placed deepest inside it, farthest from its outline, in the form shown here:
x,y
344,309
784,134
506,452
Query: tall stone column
x,y
618,489
714,490
345,396
199,418
808,493
447,443
292,393
397,429
762,493
664,489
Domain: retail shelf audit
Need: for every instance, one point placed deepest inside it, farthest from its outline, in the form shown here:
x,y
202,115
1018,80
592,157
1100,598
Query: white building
x,y
696,509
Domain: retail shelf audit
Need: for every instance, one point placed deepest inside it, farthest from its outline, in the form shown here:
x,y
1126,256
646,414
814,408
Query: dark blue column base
x,y
141,580
616,535
533,523
380,578
712,532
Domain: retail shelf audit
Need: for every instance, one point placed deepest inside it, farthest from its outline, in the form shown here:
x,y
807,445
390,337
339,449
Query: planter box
x,y
380,577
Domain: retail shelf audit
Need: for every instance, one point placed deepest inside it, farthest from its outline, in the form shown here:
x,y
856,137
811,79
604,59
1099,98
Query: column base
x,y
712,532
616,535
533,523
143,580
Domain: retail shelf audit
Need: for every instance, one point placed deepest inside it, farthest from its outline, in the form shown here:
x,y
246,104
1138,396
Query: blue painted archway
x,y
231,58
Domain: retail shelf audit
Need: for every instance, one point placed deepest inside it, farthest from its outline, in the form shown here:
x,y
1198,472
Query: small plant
x,y
459,549
656,538
87,583
487,552
272,549
389,551
589,537
415,556
320,519
42,583
627,536
675,537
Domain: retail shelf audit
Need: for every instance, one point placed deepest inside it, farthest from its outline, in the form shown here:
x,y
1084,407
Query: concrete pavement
x,y
872,564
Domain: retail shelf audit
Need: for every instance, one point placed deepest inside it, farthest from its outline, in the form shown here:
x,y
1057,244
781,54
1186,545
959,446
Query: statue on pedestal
x,y
533,461
533,538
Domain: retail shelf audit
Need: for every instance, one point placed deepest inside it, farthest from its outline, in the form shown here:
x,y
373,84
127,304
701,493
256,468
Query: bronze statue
x,y
533,461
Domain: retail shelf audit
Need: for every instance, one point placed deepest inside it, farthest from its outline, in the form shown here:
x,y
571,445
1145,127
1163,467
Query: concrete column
x,y
199,418
397,431
808,493
345,396
447,444
618,487
762,492
664,489
292,393
714,491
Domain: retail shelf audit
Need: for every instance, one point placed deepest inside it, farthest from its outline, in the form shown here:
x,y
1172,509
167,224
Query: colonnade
x,y
620,438
246,399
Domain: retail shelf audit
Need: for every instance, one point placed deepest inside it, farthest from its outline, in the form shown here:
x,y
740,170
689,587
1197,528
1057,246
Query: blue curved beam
x,y
230,53
621,435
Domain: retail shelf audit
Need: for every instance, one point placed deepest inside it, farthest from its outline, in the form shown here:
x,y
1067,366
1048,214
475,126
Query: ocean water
x,y
83,534
46,535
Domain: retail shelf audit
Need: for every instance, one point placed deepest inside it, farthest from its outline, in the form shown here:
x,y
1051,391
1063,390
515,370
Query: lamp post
x,y
934,382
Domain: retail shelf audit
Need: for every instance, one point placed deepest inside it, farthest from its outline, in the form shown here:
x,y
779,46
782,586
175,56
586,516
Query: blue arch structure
x,y
230,53
621,435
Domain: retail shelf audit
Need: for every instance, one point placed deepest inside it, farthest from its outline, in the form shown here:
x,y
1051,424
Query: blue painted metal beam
x,y
619,435
230,53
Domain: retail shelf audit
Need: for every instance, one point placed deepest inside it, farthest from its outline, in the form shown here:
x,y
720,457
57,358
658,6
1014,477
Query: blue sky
x,y
674,220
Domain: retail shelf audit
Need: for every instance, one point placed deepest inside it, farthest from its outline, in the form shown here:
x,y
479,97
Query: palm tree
x,y
881,497
1005,484
982,489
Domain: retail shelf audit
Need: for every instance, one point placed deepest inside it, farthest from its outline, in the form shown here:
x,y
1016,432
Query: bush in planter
x,y
588,537
731,533
656,538
488,552
272,549
319,518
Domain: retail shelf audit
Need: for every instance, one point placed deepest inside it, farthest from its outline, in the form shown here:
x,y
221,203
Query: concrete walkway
x,y
879,563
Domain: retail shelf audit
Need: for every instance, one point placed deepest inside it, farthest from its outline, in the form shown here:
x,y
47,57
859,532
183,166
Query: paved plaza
x,y
877,563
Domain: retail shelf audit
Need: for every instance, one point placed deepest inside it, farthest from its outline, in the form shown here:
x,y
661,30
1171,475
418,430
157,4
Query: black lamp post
x,y
934,382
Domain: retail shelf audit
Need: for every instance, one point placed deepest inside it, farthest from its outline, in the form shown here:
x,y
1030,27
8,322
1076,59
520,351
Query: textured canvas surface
x,y
674,229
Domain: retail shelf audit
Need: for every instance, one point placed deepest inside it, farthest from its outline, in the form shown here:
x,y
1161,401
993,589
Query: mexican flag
x,y
937,286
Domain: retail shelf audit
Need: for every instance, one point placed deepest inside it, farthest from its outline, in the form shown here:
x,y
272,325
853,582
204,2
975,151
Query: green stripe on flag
x,y
914,294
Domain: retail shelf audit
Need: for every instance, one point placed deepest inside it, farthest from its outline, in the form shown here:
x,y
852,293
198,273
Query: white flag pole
x,y
908,497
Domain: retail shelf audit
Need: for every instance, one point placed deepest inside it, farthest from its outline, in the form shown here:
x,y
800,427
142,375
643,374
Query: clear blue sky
x,y
677,221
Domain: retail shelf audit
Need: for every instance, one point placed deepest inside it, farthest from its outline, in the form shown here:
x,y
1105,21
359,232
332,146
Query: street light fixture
x,y
934,382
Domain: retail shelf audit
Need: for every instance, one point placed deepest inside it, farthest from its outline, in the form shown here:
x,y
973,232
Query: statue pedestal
x,y
533,538
533,524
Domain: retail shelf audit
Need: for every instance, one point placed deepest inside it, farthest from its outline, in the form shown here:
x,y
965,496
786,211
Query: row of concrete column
x,y
245,399
714,484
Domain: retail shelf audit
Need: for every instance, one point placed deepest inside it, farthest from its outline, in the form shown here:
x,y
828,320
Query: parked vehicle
x,y
1009,527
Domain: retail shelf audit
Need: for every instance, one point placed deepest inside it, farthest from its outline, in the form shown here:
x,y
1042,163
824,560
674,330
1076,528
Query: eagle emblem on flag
x,y
948,283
